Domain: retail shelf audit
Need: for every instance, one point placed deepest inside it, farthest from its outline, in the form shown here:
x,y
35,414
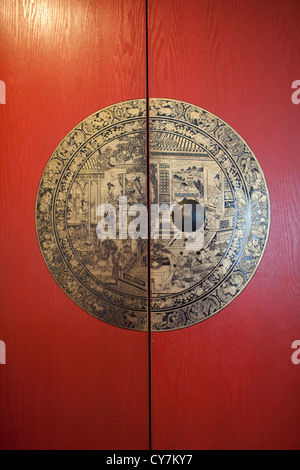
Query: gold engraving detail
x,y
194,156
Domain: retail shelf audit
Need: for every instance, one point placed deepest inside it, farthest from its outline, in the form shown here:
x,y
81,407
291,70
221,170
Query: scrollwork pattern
x,y
192,152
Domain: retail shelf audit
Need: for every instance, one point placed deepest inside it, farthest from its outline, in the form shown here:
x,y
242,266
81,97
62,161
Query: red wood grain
x,y
229,383
70,381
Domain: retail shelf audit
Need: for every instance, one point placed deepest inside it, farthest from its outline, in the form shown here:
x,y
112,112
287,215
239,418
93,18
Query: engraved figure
x,y
194,156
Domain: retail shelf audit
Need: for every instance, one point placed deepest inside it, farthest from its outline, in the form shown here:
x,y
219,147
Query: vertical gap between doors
x,y
149,234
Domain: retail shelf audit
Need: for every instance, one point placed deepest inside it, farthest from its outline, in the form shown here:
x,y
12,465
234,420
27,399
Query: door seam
x,y
149,234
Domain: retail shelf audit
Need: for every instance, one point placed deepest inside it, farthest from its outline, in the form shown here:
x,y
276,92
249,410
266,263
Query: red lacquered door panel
x,y
70,381
229,382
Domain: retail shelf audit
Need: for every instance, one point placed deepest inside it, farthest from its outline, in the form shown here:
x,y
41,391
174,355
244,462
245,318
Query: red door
x,y
71,381
229,382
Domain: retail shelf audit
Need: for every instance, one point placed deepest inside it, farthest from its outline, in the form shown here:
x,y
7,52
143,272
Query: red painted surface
x,y
229,382
71,381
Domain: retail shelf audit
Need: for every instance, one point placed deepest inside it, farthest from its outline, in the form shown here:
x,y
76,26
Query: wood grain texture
x,y
71,381
229,383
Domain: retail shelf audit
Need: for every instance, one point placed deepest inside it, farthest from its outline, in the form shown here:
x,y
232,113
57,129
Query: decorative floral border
x,y
252,214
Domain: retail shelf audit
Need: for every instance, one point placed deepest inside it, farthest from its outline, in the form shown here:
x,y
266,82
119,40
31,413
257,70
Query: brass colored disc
x,y
195,157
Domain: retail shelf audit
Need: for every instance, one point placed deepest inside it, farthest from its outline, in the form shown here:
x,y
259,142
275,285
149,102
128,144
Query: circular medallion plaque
x,y
194,156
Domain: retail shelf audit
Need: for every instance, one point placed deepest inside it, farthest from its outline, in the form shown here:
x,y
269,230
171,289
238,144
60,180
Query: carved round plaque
x,y
100,189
